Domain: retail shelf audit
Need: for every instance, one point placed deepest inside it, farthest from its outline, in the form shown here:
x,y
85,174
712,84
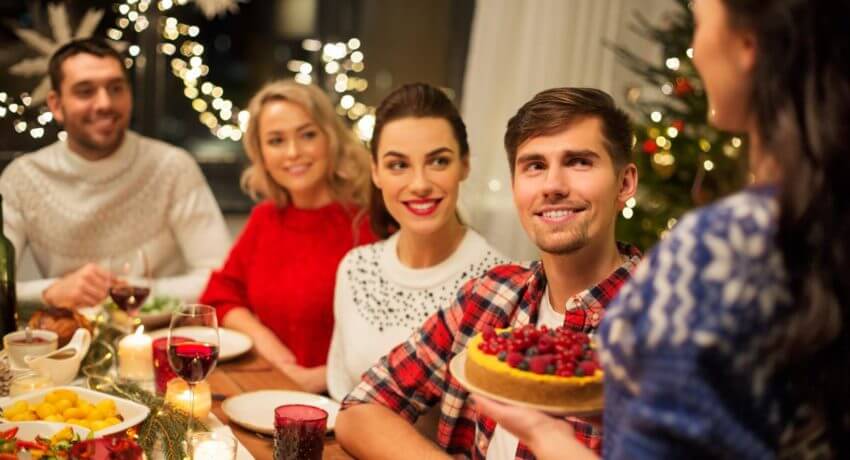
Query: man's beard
x,y
568,241
103,148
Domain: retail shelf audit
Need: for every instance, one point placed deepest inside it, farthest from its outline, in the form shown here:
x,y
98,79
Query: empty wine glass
x,y
193,359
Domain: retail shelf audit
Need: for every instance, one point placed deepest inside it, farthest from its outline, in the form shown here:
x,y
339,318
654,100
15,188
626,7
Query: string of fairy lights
x,y
27,120
341,63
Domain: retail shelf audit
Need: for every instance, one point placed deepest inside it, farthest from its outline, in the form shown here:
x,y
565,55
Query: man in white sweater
x,y
107,191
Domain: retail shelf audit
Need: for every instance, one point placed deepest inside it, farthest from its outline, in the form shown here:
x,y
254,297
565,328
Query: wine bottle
x,y
8,299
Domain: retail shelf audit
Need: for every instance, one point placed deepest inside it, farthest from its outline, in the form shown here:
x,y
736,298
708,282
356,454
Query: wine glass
x,y
193,359
130,281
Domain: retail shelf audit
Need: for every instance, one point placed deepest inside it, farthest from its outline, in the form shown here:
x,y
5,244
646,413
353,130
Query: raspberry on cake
x,y
552,367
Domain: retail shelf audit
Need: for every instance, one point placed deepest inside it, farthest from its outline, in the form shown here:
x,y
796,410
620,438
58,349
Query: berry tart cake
x,y
551,367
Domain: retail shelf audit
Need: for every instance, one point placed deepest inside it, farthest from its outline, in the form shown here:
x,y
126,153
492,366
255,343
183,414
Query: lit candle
x,y
178,394
212,450
208,445
135,357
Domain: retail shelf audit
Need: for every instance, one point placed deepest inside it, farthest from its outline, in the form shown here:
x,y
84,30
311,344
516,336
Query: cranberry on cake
x,y
551,367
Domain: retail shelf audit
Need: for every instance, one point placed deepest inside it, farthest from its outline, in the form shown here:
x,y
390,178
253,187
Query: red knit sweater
x,y
283,268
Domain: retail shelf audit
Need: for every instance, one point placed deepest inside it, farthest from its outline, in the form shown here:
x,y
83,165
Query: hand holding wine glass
x,y
193,359
130,281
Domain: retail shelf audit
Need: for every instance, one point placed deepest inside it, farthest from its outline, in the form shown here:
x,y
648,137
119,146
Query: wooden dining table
x,y
252,372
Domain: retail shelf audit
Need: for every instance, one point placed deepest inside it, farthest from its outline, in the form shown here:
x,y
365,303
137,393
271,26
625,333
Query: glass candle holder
x,y
162,371
210,445
27,381
299,432
179,395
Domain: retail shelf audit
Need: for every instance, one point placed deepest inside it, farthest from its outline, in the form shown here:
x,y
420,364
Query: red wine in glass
x,y
192,360
129,298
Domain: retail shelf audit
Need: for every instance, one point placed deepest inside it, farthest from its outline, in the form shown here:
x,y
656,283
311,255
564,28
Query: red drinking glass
x,y
162,371
299,432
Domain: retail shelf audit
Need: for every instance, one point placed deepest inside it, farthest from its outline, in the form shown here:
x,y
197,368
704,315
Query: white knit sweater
x,y
379,302
148,194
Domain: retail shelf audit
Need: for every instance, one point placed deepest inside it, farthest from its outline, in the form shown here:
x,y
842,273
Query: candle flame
x,y
140,330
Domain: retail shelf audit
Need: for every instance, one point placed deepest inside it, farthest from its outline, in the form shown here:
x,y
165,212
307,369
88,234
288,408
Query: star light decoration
x,y
341,62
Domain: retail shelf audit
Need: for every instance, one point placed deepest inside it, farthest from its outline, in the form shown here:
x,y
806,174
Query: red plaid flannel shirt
x,y
414,375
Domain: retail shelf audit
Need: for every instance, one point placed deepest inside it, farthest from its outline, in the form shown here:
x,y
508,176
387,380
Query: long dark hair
x,y
801,98
413,100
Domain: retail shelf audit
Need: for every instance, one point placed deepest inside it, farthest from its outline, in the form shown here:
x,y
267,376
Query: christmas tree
x,y
682,161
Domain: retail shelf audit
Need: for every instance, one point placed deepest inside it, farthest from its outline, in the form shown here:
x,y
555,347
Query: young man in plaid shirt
x,y
569,153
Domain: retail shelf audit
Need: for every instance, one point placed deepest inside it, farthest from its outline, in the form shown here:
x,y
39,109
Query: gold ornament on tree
x,y
664,164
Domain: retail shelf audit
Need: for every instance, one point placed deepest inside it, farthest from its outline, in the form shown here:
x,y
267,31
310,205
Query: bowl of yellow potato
x,y
99,412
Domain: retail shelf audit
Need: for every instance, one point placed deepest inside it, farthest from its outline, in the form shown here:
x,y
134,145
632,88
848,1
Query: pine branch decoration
x,y
165,427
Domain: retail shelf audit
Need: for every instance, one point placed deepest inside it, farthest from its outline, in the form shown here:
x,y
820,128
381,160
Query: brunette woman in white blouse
x,y
384,291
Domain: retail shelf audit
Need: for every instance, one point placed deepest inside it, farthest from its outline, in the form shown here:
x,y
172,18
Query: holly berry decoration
x,y
560,351
683,87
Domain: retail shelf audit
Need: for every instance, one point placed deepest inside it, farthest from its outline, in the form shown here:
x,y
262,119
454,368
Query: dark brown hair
x,y
414,100
95,46
801,101
553,110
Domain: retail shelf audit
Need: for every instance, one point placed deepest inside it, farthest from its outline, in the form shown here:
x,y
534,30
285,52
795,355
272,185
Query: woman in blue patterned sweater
x,y
733,338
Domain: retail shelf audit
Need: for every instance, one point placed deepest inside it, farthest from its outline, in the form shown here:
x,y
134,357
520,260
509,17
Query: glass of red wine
x,y
193,346
130,283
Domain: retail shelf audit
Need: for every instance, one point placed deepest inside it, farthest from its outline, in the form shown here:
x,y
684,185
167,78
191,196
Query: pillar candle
x,y
135,356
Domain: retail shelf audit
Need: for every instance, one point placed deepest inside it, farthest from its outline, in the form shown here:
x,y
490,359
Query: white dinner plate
x,y
90,313
457,368
231,343
255,410
155,320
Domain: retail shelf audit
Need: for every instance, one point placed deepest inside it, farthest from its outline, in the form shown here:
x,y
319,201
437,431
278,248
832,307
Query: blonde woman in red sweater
x,y
277,284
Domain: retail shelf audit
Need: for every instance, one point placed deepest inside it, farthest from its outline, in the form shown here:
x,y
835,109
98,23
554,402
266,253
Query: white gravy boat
x,y
63,364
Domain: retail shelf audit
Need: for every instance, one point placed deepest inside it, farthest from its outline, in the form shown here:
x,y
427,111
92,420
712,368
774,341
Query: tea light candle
x,y
212,449
178,394
211,445
135,358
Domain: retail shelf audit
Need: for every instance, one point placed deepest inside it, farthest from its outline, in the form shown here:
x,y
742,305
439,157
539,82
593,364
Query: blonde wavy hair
x,y
348,172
